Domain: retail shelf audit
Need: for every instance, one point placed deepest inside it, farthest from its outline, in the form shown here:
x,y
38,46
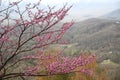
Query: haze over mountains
x,y
101,34
114,15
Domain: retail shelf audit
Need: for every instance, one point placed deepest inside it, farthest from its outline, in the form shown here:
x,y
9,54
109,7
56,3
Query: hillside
x,y
100,35
95,34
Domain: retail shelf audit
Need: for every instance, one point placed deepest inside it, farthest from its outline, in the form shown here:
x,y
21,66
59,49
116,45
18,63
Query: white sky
x,y
81,9
64,1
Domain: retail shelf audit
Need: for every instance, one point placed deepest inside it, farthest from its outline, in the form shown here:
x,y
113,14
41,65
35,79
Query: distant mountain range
x,y
101,34
114,15
96,34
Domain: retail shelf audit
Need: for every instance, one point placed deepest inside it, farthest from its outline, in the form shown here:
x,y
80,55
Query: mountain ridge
x,y
114,15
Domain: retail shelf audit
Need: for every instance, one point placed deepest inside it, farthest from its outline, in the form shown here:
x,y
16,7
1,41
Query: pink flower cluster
x,y
69,64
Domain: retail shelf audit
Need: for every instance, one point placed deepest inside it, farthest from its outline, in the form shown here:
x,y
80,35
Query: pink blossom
x,y
68,64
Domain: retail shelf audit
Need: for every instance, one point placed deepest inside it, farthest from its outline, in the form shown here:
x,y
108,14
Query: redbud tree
x,y
24,34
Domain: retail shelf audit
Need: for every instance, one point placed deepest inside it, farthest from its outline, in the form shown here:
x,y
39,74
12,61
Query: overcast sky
x,y
82,9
